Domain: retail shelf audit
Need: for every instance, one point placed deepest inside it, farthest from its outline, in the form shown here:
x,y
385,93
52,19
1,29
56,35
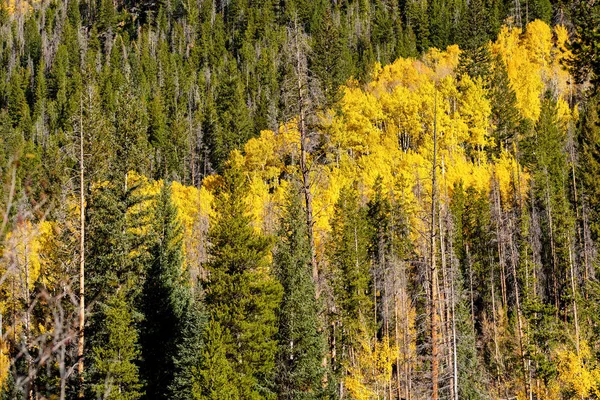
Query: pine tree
x,y
132,150
543,152
505,115
416,19
540,9
171,320
241,294
18,107
301,347
328,59
217,380
188,354
116,257
352,284
234,126
439,23
472,38
115,362
589,160
586,63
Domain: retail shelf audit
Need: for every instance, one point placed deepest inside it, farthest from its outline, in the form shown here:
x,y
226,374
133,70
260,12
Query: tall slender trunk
x,y
27,333
434,319
471,296
495,328
444,297
81,254
575,316
304,169
524,360
453,319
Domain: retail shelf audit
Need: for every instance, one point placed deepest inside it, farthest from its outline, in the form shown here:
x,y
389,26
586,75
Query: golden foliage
x,y
370,371
578,373
534,62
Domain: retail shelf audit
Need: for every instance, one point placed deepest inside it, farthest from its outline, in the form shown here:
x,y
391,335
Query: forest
x,y
299,199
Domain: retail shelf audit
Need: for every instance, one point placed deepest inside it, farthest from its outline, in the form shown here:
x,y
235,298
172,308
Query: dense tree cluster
x,y
299,199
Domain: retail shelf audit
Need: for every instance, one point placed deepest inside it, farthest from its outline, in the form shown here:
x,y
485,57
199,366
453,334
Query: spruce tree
x,y
472,37
505,115
217,380
188,353
439,23
115,265
115,361
241,293
586,63
235,127
589,159
328,58
171,329
301,346
540,9
350,262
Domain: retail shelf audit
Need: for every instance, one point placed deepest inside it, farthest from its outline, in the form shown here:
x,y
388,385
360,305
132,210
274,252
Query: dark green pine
x,y
167,306
588,139
241,294
301,346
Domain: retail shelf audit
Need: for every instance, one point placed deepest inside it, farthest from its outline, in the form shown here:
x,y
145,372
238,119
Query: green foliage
x,y
505,115
241,294
115,359
350,262
586,63
330,58
217,379
301,346
589,159
171,329
169,89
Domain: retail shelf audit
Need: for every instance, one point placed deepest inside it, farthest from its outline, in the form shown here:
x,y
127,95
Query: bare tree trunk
x,y
304,169
434,318
496,347
471,288
524,360
453,318
444,300
27,333
575,316
81,255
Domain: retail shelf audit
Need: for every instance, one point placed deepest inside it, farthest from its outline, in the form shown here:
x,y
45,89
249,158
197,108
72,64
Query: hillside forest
x,y
299,199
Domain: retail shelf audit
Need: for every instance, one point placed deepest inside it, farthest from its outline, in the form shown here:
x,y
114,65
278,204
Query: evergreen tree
x,y
439,23
586,63
329,60
132,150
505,115
301,347
539,9
589,160
241,294
472,37
543,151
116,257
188,354
416,19
350,261
234,127
171,320
115,362
217,380
17,102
